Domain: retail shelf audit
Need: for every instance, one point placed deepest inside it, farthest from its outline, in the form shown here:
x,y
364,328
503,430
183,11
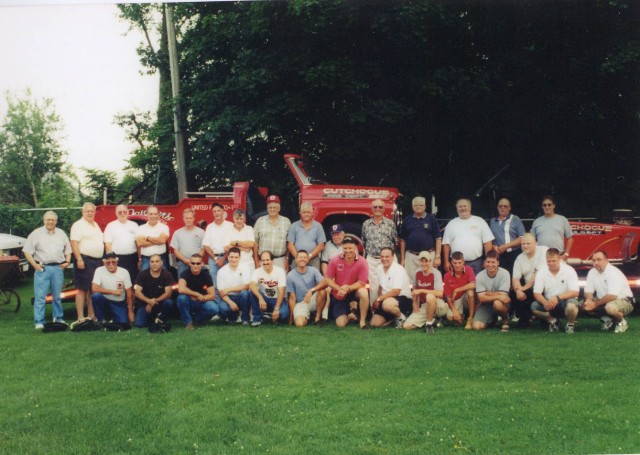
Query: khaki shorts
x,y
304,309
419,319
624,306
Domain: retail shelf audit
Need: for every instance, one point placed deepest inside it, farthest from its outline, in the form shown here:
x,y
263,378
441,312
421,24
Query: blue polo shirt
x,y
420,234
516,229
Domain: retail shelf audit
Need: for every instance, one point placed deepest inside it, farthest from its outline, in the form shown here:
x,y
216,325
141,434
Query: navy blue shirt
x,y
420,234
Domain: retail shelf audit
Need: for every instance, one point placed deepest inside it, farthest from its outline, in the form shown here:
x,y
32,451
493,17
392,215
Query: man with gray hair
x,y
271,233
378,232
152,239
87,244
49,252
187,241
120,238
527,264
242,237
419,232
307,234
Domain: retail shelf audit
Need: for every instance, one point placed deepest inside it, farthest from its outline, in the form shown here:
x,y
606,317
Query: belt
x,y
278,257
418,252
218,255
85,256
55,263
373,256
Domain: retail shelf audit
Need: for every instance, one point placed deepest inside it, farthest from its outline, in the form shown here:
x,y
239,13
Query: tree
x,y
32,161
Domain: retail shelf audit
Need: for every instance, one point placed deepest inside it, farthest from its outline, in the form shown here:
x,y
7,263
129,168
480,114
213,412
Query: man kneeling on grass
x,y
492,289
111,286
267,287
394,292
233,288
459,290
556,290
607,293
303,284
347,276
153,290
427,296
197,294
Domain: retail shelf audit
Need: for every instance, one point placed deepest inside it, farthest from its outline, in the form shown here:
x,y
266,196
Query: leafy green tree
x,y
32,161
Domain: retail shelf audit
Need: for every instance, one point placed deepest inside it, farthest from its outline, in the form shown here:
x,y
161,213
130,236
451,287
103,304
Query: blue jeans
x,y
181,268
142,317
119,309
51,277
271,304
145,263
213,271
191,309
242,300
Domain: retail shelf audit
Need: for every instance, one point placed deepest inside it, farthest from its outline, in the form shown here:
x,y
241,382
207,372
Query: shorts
x,y
84,277
624,306
405,304
341,307
560,308
419,319
485,314
302,309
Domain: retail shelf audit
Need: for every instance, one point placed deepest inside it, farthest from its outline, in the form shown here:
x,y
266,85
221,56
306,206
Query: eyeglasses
x,y
111,262
547,205
503,206
378,206
196,263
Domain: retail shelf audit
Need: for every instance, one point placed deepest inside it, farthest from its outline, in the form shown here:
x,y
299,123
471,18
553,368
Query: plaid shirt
x,y
272,237
377,236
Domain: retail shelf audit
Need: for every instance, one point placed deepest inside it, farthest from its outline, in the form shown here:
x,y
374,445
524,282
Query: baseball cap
x,y
335,228
273,198
425,255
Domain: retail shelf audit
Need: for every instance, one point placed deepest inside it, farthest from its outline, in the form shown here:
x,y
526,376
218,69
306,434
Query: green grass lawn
x,y
232,389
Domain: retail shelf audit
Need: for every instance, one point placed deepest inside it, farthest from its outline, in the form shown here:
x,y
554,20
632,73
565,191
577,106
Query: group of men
x,y
493,271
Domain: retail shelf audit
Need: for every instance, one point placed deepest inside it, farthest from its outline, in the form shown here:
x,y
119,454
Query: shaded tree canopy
x,y
431,97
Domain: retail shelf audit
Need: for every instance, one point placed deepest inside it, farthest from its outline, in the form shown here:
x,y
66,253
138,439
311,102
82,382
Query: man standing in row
x,y
378,232
468,234
419,232
152,290
607,293
307,234
214,240
240,236
507,229
120,238
152,238
87,244
49,252
111,287
271,233
187,241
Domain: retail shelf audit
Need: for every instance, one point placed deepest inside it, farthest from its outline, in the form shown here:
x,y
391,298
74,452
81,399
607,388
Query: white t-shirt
x,y
120,279
234,235
467,236
268,283
565,280
394,278
146,230
89,237
526,266
121,236
610,281
228,278
215,235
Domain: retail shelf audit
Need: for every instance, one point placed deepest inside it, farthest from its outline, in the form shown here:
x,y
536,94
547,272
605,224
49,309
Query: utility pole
x,y
181,170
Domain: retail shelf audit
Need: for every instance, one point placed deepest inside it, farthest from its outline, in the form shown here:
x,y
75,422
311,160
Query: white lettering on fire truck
x,y
590,229
355,193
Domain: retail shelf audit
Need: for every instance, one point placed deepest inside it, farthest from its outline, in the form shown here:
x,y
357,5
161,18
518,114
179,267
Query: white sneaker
x,y
400,321
39,326
607,323
214,318
621,326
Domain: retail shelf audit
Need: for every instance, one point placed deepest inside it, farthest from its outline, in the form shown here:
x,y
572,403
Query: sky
x,y
83,57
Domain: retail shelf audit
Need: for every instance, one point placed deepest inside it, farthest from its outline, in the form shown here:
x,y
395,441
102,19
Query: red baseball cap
x,y
273,198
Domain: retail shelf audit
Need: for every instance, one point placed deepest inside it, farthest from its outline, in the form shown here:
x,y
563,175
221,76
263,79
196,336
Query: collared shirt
x,y
420,234
244,234
48,247
507,230
89,238
610,281
549,285
343,273
394,278
146,230
272,237
214,236
306,239
119,279
229,278
330,251
467,236
121,236
377,236
453,281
